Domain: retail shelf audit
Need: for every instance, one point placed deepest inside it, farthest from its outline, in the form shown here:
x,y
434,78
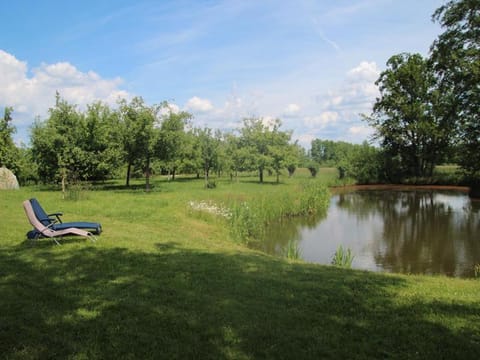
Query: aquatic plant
x,y
343,257
292,250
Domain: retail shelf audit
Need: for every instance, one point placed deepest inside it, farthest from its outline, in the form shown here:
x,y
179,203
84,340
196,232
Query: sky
x,y
311,64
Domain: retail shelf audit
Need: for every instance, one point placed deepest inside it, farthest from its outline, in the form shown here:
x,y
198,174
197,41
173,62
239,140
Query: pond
x,y
396,230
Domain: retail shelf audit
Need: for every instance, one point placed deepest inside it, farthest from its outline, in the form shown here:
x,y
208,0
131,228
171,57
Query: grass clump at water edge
x,y
343,257
292,250
249,218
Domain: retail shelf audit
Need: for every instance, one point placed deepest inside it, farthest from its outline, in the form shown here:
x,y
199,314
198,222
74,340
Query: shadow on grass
x,y
176,303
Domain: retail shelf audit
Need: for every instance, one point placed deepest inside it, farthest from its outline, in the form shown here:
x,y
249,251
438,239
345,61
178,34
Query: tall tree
x,y
102,141
281,152
8,150
208,146
138,135
404,119
171,145
264,145
57,143
455,56
254,141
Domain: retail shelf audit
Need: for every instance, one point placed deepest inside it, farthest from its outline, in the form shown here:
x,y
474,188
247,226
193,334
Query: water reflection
x,y
421,231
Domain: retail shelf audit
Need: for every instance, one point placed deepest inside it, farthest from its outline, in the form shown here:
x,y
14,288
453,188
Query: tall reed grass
x,y
292,250
250,218
343,257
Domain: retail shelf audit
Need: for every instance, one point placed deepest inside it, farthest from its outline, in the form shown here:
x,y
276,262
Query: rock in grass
x,y
8,180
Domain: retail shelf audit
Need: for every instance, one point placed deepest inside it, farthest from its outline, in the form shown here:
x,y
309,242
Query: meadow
x,y
167,281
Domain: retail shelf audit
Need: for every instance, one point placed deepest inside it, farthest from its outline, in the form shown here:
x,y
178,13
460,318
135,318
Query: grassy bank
x,y
162,282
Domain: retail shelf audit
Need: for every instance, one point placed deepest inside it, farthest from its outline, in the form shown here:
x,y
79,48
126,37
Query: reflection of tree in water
x,y
280,233
420,234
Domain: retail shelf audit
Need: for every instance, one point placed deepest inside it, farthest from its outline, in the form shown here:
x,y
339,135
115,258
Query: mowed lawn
x,y
162,282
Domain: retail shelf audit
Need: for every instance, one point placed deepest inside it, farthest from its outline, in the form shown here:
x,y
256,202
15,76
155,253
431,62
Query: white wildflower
x,y
211,208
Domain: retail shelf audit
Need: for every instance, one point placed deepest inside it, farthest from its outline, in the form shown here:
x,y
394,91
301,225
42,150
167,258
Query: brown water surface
x,y
418,231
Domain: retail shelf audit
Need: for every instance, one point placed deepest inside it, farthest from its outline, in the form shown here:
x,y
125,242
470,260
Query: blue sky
x,y
312,64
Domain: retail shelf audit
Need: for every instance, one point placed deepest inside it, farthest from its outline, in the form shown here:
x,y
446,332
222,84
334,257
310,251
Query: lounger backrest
x,y
27,206
39,212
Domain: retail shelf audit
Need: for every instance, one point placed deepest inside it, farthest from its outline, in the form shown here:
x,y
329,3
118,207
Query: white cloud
x,y
269,121
360,130
291,109
31,96
365,71
321,120
357,93
197,104
305,140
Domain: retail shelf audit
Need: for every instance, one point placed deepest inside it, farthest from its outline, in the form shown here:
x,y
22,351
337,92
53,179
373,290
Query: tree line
x,y
92,145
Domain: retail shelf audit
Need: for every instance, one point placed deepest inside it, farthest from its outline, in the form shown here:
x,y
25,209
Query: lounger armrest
x,y
57,215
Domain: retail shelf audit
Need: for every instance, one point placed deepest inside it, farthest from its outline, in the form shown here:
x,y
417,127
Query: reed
x,y
292,250
251,217
343,257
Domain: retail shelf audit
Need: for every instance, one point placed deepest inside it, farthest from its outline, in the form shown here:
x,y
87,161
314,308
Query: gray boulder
x,y
8,180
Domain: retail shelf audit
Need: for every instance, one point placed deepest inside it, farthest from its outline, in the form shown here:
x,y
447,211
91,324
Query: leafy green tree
x,y
329,152
27,168
239,158
455,56
102,141
172,141
56,144
191,160
367,164
313,167
208,146
294,158
138,134
8,151
282,153
404,119
263,146
254,142
74,146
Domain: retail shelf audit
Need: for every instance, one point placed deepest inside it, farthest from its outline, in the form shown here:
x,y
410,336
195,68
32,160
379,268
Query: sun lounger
x,y
48,231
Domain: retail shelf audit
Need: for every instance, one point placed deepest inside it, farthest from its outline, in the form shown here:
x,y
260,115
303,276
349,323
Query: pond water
x,y
406,231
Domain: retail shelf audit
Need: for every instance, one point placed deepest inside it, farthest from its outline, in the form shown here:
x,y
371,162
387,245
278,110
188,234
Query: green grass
x,y
162,282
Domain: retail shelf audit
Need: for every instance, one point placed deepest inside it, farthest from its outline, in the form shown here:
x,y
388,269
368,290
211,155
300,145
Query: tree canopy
x,y
8,150
455,57
404,119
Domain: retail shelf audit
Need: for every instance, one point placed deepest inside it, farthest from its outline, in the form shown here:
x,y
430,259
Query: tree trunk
x,y
63,185
147,175
129,168
206,177
260,173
